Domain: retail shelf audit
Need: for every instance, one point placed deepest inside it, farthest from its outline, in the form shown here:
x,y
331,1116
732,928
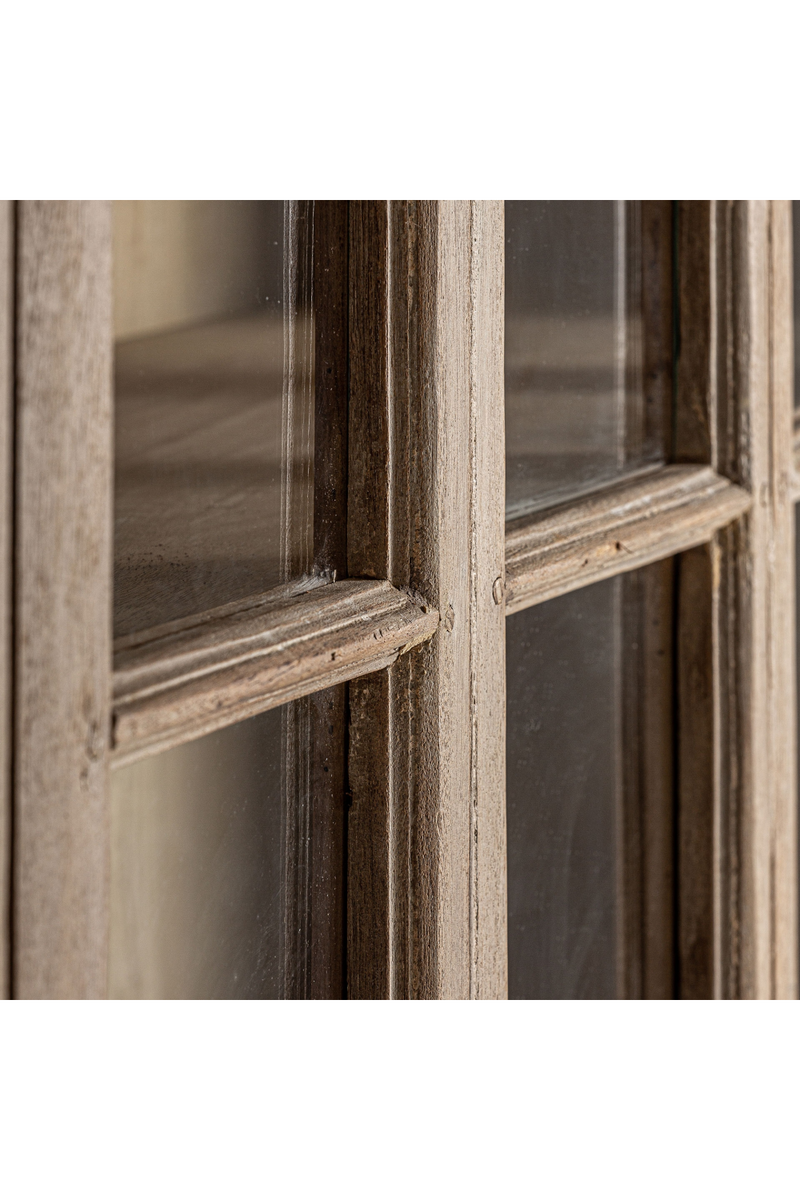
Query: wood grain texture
x,y
63,599
188,677
657,319
314,727
770,845
648,517
646,839
426,873
646,824
7,214
696,367
737,796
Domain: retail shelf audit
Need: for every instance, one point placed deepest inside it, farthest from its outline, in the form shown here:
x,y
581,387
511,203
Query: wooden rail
x,y
189,677
650,516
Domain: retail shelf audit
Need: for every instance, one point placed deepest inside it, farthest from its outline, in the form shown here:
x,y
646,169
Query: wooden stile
x,y
63,599
736,725
426,833
7,214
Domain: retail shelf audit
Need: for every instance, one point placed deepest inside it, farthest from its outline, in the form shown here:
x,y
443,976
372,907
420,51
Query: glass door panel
x,y
197,871
575,410
564,778
589,794
213,403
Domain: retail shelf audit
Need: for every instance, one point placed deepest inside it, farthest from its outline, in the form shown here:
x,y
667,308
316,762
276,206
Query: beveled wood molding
x,y
796,458
642,519
187,678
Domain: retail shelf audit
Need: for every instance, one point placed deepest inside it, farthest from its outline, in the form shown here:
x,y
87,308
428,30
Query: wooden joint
x,y
650,516
178,681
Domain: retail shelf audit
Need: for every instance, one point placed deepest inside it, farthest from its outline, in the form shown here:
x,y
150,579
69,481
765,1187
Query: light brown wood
x,y
426,870
650,516
769,962
737,780
63,599
489,903
7,213
188,677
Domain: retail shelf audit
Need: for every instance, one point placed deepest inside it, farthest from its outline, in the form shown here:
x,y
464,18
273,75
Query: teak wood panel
x,y
637,521
192,676
737,846
62,599
426,835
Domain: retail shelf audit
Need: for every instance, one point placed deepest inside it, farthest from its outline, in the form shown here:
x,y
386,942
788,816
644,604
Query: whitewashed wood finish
x,y
6,548
737,851
426,880
489,903
653,515
192,676
63,599
769,843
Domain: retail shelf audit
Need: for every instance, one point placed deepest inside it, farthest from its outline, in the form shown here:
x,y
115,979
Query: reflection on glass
x,y
196,886
563,795
573,378
213,401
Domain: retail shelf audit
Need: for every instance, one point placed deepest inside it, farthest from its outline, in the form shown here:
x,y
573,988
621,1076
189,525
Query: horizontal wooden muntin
x,y
178,681
639,520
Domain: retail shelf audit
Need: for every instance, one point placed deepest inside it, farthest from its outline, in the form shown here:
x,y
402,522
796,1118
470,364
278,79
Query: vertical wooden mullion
x,y
736,734
316,299
62,599
645,938
427,776
6,545
780,552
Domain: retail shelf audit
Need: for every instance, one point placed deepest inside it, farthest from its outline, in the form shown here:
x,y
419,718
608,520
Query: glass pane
x,y
197,894
213,394
563,792
575,415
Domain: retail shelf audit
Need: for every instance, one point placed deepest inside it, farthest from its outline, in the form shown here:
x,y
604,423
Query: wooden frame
x,y
62,599
427,857
414,572
737,754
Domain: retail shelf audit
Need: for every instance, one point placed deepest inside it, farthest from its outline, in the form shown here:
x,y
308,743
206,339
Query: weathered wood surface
x,y
7,213
314,727
646,876
657,320
426,834
648,517
646,826
769,964
62,599
737,927
191,676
